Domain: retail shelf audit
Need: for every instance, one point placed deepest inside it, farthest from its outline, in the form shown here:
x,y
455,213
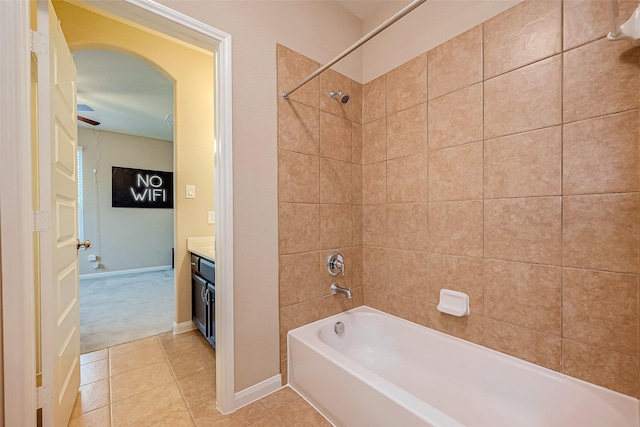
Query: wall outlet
x,y
190,191
211,217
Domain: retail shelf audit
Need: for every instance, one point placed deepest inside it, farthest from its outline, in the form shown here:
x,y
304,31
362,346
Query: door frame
x,y
16,228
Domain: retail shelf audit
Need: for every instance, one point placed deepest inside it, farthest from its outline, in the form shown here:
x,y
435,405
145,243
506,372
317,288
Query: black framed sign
x,y
141,188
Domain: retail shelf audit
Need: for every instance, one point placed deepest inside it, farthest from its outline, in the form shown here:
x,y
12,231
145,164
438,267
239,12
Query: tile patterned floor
x,y
170,381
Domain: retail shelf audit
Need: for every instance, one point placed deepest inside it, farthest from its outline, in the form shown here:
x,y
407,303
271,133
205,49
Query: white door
x,y
57,175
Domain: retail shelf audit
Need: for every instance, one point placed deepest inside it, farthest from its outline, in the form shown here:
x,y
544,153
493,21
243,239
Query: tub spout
x,y
337,289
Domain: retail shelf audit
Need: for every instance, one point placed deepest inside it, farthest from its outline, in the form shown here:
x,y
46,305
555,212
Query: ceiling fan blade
x,y
89,121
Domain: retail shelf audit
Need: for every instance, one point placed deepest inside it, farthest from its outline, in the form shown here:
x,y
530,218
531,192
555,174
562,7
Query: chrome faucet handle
x,y
335,264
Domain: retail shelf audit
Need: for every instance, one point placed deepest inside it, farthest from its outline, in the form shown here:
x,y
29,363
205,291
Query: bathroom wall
x,y
319,193
504,164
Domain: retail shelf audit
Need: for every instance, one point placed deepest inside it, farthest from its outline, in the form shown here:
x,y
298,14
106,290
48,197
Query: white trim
x,y
258,391
16,236
123,272
182,327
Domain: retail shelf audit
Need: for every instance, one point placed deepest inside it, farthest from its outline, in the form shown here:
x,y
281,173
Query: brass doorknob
x,y
84,245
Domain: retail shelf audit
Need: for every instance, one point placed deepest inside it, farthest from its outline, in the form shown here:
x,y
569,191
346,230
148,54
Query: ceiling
x,y
132,97
127,95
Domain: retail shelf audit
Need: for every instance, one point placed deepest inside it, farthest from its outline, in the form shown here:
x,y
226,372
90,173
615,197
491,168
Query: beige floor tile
x,y
94,356
91,397
98,418
199,387
268,421
206,415
178,419
192,362
139,380
136,359
299,413
183,344
133,346
149,407
94,371
279,398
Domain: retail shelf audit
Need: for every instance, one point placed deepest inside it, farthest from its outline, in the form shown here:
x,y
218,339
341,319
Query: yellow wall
x,y
192,72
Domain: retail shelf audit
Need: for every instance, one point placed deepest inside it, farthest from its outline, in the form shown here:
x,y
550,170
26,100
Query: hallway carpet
x,y
119,309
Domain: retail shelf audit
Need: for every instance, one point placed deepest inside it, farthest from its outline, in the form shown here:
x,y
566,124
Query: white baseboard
x,y
179,328
123,272
258,391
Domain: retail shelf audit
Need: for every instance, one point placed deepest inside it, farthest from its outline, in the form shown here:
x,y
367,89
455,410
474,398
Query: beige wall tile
x,y
299,227
298,127
355,109
292,69
331,80
357,225
374,141
374,263
344,280
601,232
407,132
456,228
374,100
357,266
298,176
375,298
456,118
374,183
407,274
407,85
410,309
335,226
526,33
296,315
407,179
523,343
589,20
356,184
528,295
525,99
356,143
601,309
526,229
462,274
467,327
455,64
335,137
456,173
616,371
300,278
526,164
601,155
374,225
335,182
588,88
407,226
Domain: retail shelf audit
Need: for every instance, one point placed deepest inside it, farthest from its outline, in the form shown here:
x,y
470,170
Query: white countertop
x,y
202,246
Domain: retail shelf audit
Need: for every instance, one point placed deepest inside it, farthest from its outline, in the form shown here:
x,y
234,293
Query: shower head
x,y
342,97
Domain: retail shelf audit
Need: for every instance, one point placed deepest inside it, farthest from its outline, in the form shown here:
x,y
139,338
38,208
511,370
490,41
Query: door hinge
x,y
45,397
39,43
40,220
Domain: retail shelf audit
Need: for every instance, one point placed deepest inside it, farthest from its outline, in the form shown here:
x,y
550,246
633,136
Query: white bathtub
x,y
385,371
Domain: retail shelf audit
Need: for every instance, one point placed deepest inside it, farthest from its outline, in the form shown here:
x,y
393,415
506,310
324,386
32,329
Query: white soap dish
x,y
454,303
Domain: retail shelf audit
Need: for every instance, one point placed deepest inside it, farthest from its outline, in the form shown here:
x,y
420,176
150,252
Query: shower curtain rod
x,y
363,40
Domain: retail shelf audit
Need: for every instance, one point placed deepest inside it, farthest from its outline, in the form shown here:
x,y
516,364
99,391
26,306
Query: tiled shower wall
x,y
503,164
319,191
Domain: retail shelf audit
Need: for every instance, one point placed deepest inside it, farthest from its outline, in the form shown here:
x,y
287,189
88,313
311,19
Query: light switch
x,y
211,217
190,192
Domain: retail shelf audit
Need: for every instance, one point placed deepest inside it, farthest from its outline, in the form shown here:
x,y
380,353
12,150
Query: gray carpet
x,y
118,309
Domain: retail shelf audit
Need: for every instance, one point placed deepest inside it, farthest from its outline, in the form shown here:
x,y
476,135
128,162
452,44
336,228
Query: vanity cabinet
x,y
203,296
